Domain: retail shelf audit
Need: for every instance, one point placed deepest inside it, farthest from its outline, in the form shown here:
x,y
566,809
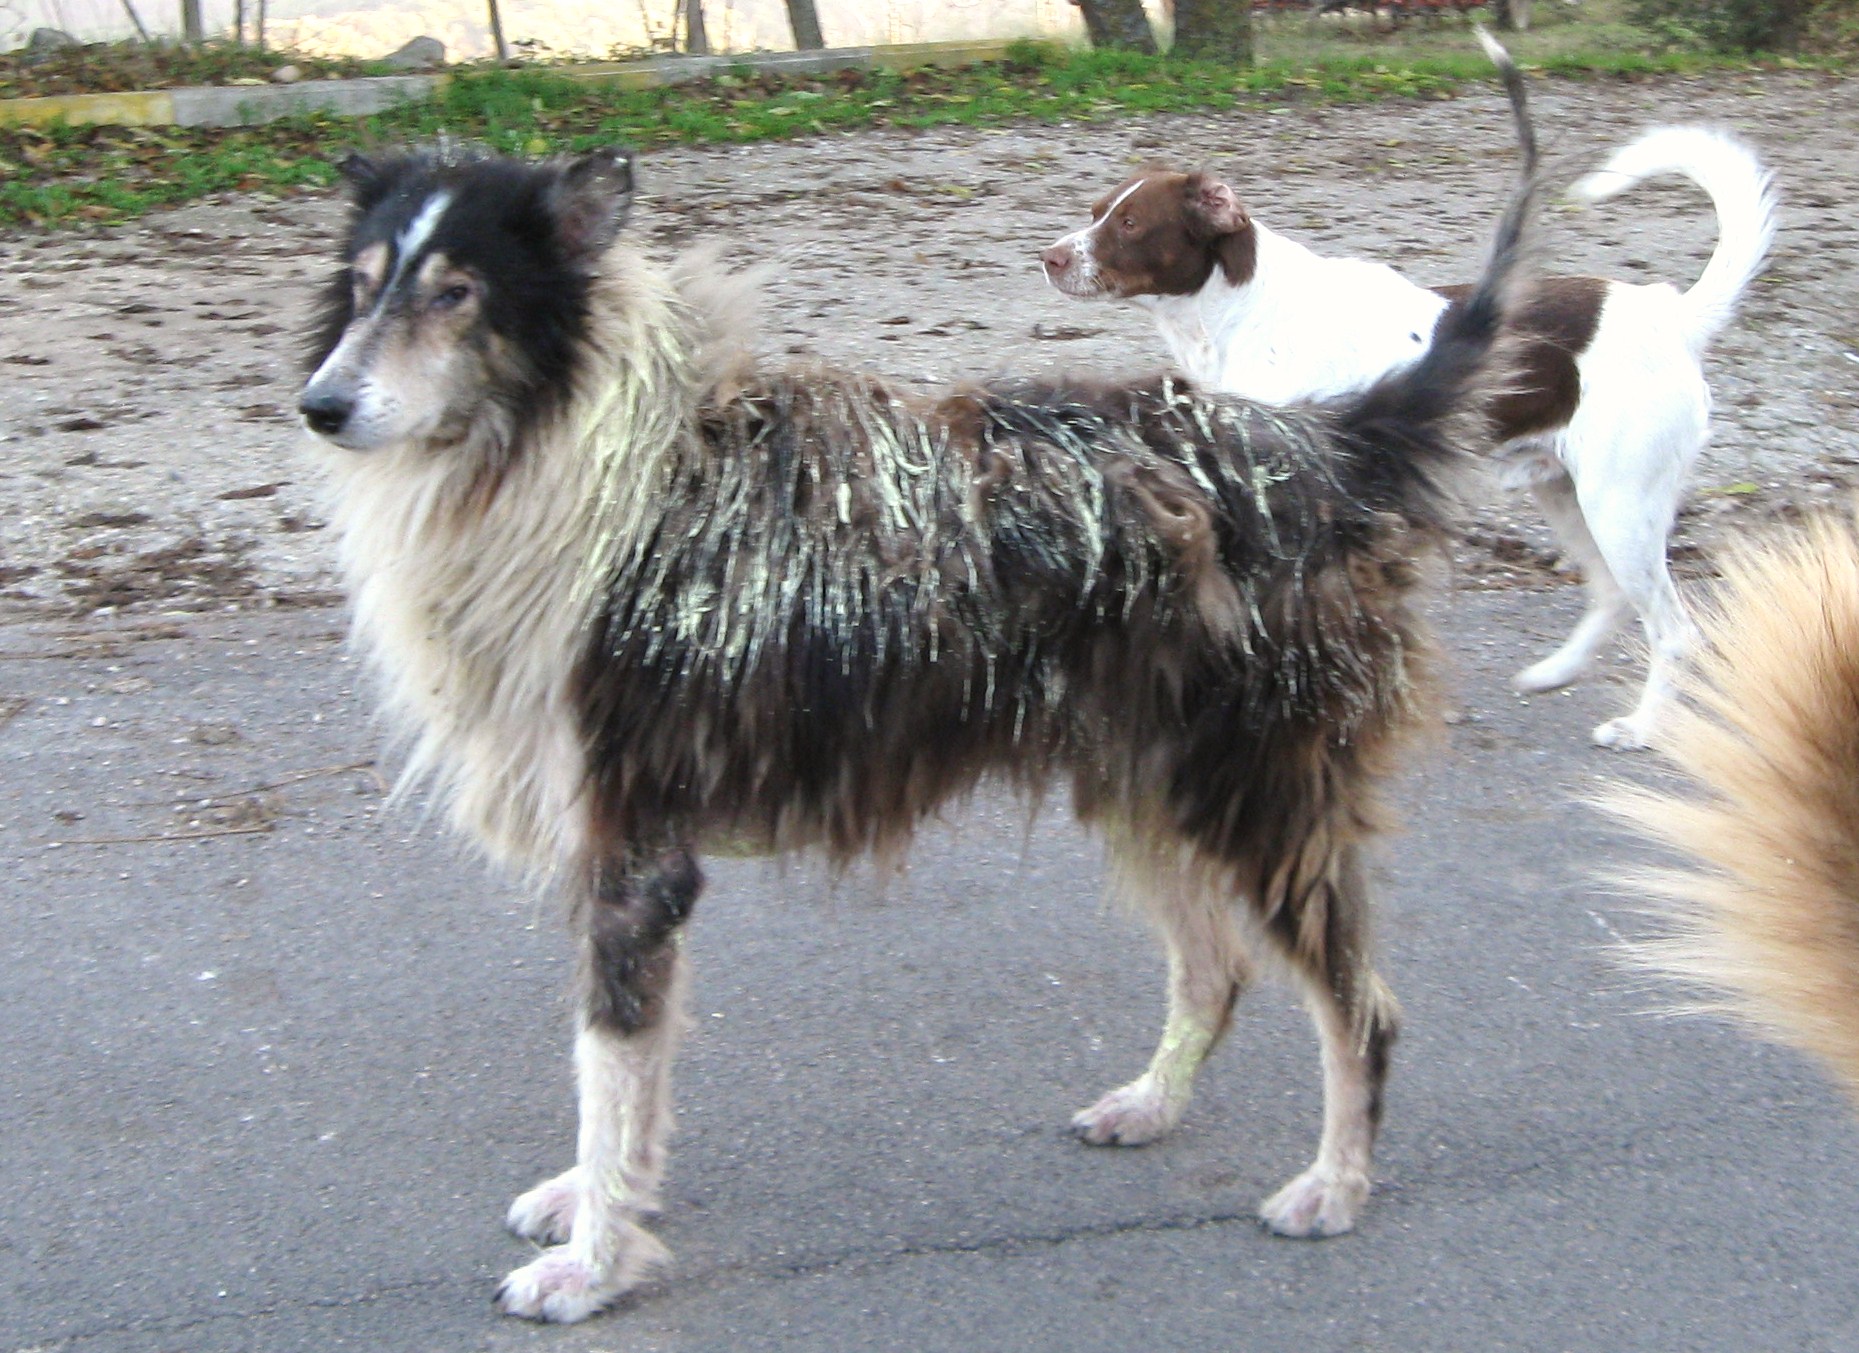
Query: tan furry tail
x,y
1765,909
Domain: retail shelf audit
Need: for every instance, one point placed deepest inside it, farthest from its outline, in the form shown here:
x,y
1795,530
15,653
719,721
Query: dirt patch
x,y
186,575
151,460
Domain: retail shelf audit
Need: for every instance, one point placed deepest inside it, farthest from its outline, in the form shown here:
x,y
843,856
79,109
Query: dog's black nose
x,y
326,413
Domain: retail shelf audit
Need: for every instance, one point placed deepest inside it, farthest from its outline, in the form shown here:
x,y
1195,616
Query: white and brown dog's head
x,y
1161,233
462,300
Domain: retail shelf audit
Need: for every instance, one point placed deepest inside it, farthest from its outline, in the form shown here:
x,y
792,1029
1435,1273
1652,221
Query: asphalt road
x,y
271,1088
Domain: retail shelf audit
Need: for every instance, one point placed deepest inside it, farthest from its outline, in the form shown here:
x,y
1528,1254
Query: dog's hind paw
x,y
1623,735
561,1288
1551,674
1318,1203
546,1212
1131,1115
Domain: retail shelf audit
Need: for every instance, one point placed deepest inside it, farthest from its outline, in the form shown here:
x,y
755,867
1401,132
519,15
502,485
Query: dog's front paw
x,y
1131,1115
561,1287
546,1212
1623,735
1320,1202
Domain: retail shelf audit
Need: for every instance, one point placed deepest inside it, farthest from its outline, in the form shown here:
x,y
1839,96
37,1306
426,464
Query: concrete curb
x,y
248,105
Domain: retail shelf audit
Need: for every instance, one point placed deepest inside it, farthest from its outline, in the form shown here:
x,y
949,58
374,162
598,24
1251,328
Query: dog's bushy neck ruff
x,y
476,569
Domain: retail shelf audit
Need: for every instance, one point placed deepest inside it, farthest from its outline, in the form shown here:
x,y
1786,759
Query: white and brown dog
x,y
1612,408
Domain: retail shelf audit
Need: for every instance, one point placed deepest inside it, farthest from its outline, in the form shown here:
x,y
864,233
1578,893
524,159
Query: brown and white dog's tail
x,y
1739,188
1763,911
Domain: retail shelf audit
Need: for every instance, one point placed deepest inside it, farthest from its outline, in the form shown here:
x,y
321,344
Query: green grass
x,y
71,175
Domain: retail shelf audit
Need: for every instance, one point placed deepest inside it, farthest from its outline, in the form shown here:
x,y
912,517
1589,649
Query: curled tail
x,y
1414,411
1739,188
1764,909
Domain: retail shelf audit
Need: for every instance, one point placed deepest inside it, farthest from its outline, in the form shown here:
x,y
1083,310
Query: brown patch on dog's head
x,y
1159,233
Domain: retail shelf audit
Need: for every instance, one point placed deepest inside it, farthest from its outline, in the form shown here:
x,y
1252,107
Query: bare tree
x,y
1118,23
192,32
1214,30
1513,16
696,37
136,19
805,21
503,48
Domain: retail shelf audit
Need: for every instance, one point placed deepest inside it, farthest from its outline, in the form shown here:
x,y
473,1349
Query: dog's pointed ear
x,y
1214,206
365,177
590,201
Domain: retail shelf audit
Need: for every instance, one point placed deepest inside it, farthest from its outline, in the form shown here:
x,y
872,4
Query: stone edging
x,y
247,105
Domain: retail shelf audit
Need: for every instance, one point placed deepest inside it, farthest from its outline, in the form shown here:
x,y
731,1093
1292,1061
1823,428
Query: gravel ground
x,y
148,372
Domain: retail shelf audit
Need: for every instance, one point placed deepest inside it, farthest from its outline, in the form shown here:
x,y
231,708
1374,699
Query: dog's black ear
x,y
590,201
366,178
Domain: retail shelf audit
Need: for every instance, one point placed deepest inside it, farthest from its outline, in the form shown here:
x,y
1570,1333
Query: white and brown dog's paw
x,y
1131,1115
1319,1203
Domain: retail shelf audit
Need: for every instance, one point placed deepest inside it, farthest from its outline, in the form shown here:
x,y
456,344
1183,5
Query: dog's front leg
x,y
1208,969
632,982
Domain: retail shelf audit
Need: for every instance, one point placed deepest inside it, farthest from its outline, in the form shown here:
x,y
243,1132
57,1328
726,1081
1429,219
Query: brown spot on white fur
x,y
1553,322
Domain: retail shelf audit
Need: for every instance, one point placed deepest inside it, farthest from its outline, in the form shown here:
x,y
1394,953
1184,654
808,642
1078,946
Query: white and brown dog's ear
x,y
590,201
1214,207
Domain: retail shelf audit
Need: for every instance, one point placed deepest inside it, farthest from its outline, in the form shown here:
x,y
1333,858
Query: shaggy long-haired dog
x,y
634,596
1764,909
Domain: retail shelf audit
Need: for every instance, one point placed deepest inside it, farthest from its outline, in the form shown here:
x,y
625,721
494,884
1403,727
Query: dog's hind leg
x,y
1207,971
632,984
1607,604
1320,921
1630,529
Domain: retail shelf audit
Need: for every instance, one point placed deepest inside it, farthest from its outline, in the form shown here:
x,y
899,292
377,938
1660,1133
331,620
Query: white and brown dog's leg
x,y
1322,923
632,985
1207,971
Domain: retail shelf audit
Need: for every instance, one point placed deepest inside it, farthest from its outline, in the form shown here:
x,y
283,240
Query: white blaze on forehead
x,y
415,233
1119,199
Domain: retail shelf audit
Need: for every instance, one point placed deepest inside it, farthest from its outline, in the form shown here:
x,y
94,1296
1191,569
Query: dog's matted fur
x,y
635,599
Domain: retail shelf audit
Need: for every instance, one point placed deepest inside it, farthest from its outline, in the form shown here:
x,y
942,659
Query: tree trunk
x,y
696,39
136,19
503,48
1513,16
191,30
805,21
1118,23
1214,30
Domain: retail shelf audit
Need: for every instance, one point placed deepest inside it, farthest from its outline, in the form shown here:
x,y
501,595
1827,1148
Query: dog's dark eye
x,y
1128,223
452,297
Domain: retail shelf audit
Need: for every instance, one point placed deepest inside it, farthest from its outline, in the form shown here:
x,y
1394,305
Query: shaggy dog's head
x,y
462,304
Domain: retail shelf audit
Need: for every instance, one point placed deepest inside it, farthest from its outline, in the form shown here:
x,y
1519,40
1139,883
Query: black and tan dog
x,y
634,596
